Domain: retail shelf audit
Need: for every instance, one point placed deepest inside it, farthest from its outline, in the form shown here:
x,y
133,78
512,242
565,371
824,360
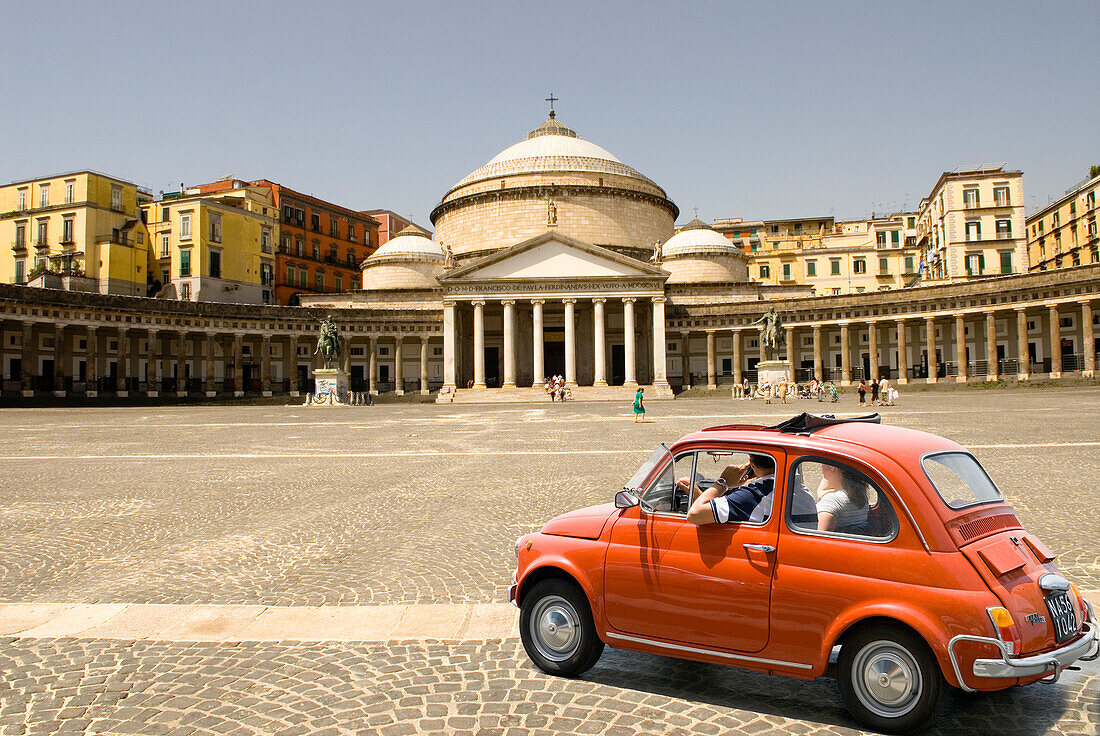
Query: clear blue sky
x,y
754,110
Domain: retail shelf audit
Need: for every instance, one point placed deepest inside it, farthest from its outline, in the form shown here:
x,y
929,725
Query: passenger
x,y
736,493
842,499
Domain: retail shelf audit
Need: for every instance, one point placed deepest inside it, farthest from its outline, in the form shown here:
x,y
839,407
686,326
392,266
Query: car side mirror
x,y
626,500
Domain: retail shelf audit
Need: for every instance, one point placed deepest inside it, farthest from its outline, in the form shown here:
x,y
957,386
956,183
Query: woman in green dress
x,y
639,410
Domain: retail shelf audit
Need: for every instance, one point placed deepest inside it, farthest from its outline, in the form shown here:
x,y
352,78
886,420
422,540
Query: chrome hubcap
x,y
555,628
887,679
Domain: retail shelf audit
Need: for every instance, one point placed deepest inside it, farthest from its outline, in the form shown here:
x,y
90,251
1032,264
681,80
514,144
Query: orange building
x,y
389,223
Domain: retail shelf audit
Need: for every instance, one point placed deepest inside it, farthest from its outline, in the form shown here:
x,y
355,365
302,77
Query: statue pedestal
x,y
330,386
773,371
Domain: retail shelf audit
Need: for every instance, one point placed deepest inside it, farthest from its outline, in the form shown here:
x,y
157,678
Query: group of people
x,y
555,386
882,393
782,389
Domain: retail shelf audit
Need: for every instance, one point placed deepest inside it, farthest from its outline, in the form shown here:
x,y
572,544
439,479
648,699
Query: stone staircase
x,y
538,395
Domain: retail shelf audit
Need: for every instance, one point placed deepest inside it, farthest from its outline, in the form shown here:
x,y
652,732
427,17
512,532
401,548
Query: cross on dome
x,y
551,99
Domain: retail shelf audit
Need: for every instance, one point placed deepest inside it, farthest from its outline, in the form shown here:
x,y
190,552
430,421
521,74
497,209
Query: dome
x,y
552,147
410,242
697,238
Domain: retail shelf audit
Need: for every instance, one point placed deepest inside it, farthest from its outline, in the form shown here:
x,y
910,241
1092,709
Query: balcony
x,y
114,240
1005,236
42,244
19,246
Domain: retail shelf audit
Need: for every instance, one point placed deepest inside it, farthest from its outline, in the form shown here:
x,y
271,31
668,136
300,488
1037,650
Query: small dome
x,y
412,241
697,238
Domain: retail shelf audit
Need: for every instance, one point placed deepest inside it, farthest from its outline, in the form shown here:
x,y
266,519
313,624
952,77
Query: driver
x,y
736,493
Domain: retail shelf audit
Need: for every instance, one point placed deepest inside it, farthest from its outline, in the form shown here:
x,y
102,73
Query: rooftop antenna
x,y
551,99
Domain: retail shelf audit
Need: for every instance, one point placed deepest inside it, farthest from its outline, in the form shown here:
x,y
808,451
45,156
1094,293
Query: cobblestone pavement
x,y
418,504
487,688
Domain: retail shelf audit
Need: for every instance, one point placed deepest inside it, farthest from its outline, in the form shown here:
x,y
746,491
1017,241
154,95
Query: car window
x,y
960,479
662,494
656,458
832,497
748,498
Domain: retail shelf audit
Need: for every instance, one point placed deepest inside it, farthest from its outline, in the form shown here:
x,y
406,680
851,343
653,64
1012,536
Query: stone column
x,y
629,345
152,358
509,343
930,348
210,387
265,364
872,349
372,365
449,361
738,374
570,343
28,357
123,362
1023,359
712,368
790,354
960,348
1089,340
903,353
599,342
1055,342
238,366
993,370
685,359
819,368
538,355
424,364
292,372
91,376
845,356
398,366
479,344
181,364
659,368
60,356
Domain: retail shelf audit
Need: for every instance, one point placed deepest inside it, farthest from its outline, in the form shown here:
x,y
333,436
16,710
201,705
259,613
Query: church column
x,y
181,364
448,346
398,366
659,376
930,348
629,342
1023,369
1089,340
60,358
538,355
738,375
28,359
993,369
238,366
91,376
121,378
479,344
712,368
211,387
845,356
570,343
265,364
373,365
819,372
685,359
872,349
424,364
903,353
1055,342
292,370
509,343
960,348
600,342
152,358
791,357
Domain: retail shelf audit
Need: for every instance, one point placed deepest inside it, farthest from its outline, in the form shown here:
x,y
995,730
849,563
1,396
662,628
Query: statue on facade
x,y
551,212
328,342
770,332
656,257
448,256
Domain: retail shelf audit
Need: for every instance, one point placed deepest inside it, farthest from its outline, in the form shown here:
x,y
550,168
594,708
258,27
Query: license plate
x,y
1062,615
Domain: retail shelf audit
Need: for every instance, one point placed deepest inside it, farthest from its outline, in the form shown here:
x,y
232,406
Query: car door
x,y
705,586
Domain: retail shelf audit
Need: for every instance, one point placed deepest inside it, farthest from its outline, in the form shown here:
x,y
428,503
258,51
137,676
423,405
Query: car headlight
x,y
518,540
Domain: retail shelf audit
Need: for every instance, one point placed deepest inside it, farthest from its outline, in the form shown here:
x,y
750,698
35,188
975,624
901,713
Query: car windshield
x,y
960,479
660,454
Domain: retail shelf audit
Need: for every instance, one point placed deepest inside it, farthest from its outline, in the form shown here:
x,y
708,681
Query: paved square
x,y
406,505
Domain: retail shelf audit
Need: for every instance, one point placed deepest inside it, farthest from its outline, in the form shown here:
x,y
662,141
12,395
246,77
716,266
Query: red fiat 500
x,y
767,548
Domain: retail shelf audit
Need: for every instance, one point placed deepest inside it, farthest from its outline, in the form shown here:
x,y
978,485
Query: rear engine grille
x,y
987,525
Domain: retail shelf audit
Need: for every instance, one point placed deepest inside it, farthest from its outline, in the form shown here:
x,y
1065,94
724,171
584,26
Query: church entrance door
x,y
492,367
554,358
618,365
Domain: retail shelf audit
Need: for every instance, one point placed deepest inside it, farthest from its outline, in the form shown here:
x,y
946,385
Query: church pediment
x,y
554,256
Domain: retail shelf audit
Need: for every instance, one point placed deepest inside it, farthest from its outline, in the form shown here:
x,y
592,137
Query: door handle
x,y
759,547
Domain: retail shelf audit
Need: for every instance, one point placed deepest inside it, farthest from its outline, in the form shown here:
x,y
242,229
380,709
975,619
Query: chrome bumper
x,y
512,593
1048,663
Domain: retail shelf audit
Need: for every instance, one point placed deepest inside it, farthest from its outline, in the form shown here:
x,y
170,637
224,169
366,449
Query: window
x,y
911,223
23,198
185,226
1004,229
1055,220
973,230
185,291
20,235
332,229
975,264
1000,195
765,271
834,267
265,239
895,238
116,197
691,473
70,185
970,198
215,264
332,254
338,283
859,265
908,264
959,479
316,251
786,272
164,246
20,274
164,213
775,229
303,276
811,268
267,274
43,233
215,227
848,502
351,231
43,195
165,276
299,247
288,214
319,281
880,239
884,265
315,222
185,262
291,275
67,228
351,257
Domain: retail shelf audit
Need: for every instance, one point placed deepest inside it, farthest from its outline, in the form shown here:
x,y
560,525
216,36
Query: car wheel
x,y
555,624
889,679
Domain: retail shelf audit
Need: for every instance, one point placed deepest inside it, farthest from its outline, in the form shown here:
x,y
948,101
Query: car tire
x,y
889,679
556,627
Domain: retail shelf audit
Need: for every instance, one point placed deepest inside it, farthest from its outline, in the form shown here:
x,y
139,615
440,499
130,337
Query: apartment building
x,y
80,230
972,224
1063,233
389,224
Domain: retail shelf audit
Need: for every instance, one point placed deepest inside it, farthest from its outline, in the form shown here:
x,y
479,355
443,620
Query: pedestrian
x,y
639,409
874,392
745,393
862,392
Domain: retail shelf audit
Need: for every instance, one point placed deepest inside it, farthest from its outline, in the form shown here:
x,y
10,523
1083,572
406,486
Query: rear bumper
x,y
1050,663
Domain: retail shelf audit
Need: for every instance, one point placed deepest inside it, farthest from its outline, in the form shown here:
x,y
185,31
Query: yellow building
x,y
972,225
214,244
1063,233
80,230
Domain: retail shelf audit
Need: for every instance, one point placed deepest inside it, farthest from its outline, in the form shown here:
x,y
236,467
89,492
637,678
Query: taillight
x,y
1081,607
1006,628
